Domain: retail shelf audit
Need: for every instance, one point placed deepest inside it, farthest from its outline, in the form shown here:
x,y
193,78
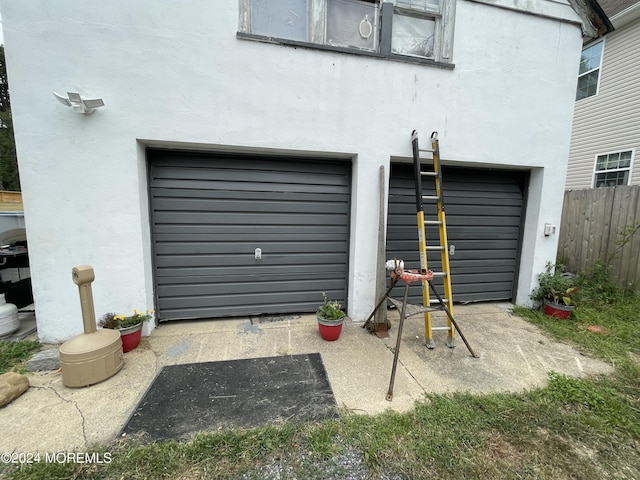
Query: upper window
x,y
613,169
589,73
282,18
352,23
410,28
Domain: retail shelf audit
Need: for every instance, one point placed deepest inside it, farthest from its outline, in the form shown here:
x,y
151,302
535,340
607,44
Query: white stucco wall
x,y
177,74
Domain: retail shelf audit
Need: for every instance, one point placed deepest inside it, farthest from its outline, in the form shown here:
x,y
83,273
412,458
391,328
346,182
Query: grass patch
x,y
14,354
572,429
621,321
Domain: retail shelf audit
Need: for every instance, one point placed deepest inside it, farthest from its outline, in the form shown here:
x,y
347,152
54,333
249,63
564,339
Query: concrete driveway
x,y
513,356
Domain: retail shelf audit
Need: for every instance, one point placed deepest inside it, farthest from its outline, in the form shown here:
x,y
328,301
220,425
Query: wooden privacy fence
x,y
10,201
592,220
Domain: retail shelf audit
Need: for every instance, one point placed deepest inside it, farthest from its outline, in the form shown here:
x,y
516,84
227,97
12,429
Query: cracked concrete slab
x,y
513,356
55,418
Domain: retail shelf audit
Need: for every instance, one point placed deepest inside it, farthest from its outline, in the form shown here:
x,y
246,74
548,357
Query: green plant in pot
x,y
130,326
330,318
556,290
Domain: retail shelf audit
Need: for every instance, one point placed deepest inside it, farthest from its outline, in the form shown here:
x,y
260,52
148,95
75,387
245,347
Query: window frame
x,y
598,69
628,169
444,16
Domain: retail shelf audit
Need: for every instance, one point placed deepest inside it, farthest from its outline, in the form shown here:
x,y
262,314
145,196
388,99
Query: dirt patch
x,y
501,450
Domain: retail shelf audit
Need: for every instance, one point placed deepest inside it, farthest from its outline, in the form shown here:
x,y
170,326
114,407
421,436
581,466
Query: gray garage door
x,y
210,214
484,209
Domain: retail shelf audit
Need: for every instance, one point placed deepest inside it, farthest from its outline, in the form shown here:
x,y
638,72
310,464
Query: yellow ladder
x,y
424,170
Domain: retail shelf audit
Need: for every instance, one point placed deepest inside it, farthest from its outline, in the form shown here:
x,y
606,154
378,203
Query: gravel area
x,y
348,465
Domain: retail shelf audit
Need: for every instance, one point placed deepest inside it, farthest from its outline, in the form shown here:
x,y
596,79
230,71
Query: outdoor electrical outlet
x,y
549,229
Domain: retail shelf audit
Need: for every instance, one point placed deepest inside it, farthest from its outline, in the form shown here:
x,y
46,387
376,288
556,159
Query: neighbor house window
x,y
589,72
420,29
613,169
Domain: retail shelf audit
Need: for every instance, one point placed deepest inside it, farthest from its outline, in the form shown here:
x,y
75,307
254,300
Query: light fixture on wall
x,y
79,104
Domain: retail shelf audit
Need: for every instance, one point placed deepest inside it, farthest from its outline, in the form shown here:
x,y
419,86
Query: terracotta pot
x,y
329,329
556,310
130,337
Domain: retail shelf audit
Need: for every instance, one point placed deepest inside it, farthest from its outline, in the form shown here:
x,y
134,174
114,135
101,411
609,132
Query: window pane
x,y
412,35
618,178
624,180
590,58
601,162
352,24
625,159
582,92
612,161
280,18
611,179
587,85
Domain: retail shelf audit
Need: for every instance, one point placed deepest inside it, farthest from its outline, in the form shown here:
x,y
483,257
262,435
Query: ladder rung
x,y
433,222
426,150
435,248
430,197
439,274
435,300
440,328
429,174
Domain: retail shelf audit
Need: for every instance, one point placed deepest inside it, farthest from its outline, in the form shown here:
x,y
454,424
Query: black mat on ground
x,y
199,397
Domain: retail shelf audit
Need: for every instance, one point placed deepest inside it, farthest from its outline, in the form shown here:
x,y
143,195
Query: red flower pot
x,y
330,333
555,310
330,329
130,337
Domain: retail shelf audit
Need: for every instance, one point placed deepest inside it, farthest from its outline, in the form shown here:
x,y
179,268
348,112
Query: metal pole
x,y
398,340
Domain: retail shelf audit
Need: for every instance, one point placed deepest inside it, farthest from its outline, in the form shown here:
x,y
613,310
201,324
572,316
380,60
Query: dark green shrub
x,y
556,286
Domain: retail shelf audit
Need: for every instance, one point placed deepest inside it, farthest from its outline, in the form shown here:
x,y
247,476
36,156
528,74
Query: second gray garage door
x,y
484,211
245,235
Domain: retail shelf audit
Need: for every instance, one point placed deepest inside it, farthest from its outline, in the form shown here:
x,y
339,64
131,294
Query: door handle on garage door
x,y
258,254
452,250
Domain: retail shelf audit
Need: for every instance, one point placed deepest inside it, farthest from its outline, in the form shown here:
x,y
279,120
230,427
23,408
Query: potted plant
x,y
556,291
330,319
130,327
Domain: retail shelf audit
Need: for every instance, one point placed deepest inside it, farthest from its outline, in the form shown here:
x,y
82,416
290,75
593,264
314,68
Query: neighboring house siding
x,y
609,121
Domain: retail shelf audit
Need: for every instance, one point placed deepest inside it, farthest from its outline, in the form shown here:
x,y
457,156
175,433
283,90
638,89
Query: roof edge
x,y
586,13
596,23
626,16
